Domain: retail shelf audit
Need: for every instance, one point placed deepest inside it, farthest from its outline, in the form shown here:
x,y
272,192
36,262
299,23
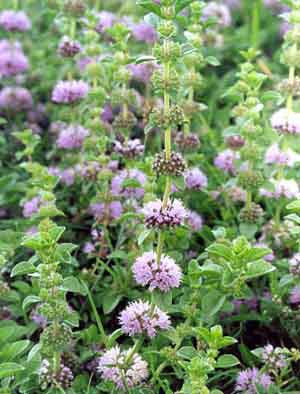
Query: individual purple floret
x,y
130,149
119,187
14,21
140,318
194,220
31,207
225,160
12,59
162,275
172,215
67,92
88,248
274,358
15,98
68,47
287,188
247,380
66,176
285,121
63,376
294,264
295,295
37,318
72,137
144,32
109,211
195,179
114,367
106,20
276,156
218,11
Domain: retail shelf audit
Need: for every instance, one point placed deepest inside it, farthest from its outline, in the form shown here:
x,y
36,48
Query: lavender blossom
x,y
248,380
294,264
195,179
295,295
163,275
130,149
12,59
106,20
68,47
31,207
67,92
285,121
138,318
72,137
15,98
218,11
114,367
225,160
274,358
276,156
287,188
158,216
144,32
14,21
142,72
110,211
119,187
194,220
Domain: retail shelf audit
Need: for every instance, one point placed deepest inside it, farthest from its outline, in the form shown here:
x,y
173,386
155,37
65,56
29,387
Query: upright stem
x,y
249,199
255,23
73,28
289,102
160,245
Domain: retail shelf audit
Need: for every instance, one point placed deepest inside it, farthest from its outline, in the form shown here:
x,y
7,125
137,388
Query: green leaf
x,y
110,302
258,268
248,230
150,6
29,301
213,61
294,206
227,361
114,336
144,235
25,267
144,59
72,284
187,352
9,369
11,350
272,95
181,4
212,302
220,250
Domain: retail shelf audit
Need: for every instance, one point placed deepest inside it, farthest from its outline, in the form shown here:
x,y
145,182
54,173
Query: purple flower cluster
x,y
218,11
295,295
67,92
141,318
12,59
158,216
225,161
15,98
294,264
274,358
276,156
287,188
72,137
31,207
68,47
106,20
14,21
109,211
142,72
119,187
194,220
248,380
66,176
195,179
285,121
162,275
114,367
144,32
130,149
